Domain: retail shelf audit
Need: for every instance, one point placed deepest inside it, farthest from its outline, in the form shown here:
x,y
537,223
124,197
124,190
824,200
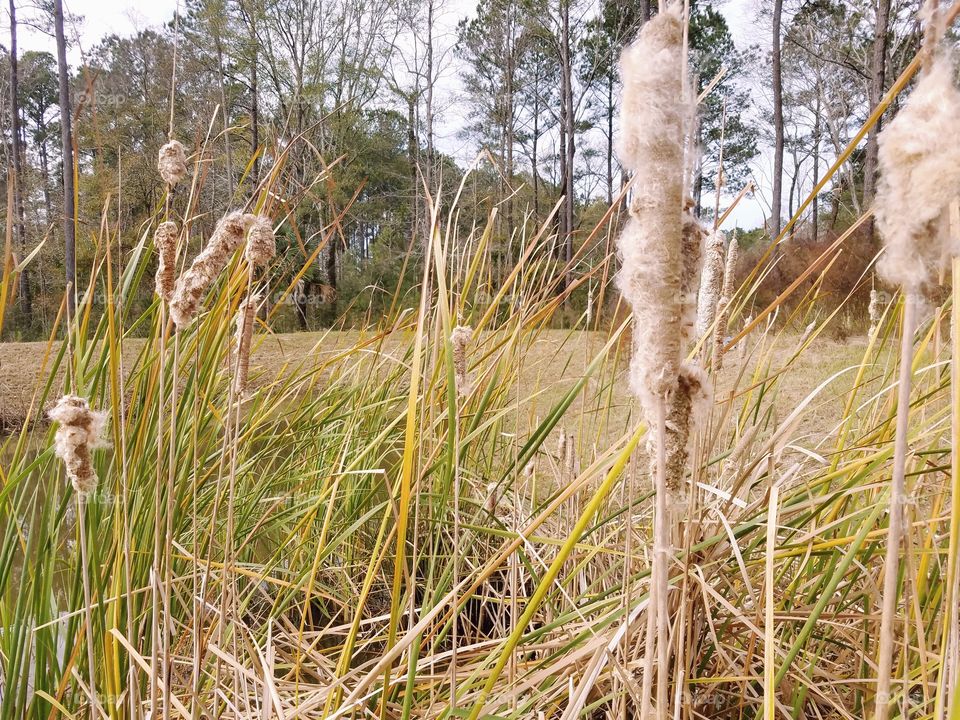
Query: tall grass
x,y
358,539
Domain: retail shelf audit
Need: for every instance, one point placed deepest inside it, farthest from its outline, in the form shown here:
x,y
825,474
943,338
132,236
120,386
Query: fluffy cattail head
x,y
711,282
653,273
205,268
165,240
651,110
80,431
919,163
172,162
261,240
460,338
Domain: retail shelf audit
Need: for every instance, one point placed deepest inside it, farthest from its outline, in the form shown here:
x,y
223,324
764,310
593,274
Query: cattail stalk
x,y
81,431
919,159
661,249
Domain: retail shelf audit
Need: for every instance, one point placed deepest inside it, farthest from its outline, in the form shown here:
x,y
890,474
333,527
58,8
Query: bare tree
x,y
17,150
66,138
878,69
777,121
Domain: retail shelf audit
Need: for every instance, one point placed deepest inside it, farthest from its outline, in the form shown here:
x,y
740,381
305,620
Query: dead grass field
x,y
557,360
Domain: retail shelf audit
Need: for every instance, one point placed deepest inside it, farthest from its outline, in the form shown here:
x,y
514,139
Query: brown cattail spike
x,y
172,162
261,240
460,338
80,431
711,283
246,315
205,268
165,240
688,404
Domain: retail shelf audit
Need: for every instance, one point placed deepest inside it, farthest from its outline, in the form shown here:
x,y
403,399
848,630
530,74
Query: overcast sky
x,y
123,17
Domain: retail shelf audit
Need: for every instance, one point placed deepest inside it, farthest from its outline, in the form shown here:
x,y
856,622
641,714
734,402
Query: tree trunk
x,y
611,108
24,280
570,148
254,109
66,139
878,70
429,98
775,225
815,219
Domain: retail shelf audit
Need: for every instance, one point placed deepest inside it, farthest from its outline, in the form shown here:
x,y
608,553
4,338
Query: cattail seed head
x,y
460,338
172,162
651,110
711,282
653,273
687,406
165,240
730,269
243,336
261,240
205,268
874,310
80,431
919,162
693,236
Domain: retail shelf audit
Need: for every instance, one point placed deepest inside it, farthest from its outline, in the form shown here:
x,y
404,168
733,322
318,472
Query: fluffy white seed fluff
x,y
730,269
80,431
651,278
165,240
204,269
172,162
711,282
651,110
919,163
261,240
460,338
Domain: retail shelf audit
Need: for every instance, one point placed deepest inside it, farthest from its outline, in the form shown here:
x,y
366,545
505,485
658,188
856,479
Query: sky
x,y
104,17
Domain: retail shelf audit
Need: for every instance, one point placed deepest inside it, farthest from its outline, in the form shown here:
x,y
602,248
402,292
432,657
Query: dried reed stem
x,y
898,498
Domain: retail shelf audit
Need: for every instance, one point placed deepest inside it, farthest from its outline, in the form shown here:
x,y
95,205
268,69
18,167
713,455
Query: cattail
x,y
689,402
571,457
205,268
80,431
652,272
919,162
460,338
694,235
165,240
711,282
243,336
730,268
172,162
874,310
723,306
261,241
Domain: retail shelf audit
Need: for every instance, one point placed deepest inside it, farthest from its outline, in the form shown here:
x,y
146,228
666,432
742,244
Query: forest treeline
x,y
344,110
